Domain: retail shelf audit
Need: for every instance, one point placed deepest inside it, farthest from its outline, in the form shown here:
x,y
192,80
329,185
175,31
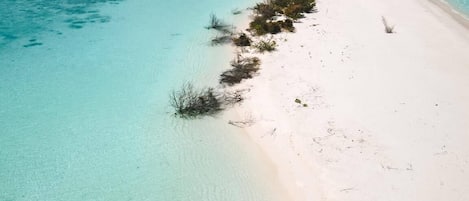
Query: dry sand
x,y
388,114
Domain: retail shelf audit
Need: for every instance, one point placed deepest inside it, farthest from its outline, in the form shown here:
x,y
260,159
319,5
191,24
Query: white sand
x,y
388,114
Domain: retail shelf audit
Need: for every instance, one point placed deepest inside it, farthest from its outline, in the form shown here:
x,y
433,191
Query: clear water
x,y
461,6
84,112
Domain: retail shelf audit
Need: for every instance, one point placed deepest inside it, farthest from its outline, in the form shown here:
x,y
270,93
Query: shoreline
x,y
321,151
459,17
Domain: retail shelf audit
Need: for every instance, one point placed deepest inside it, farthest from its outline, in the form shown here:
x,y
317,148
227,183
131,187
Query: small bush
x,y
216,23
265,10
189,102
260,26
242,68
287,25
242,40
263,46
298,101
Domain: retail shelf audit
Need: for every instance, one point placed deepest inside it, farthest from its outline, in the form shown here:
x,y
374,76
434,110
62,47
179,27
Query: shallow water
x,y
460,5
84,112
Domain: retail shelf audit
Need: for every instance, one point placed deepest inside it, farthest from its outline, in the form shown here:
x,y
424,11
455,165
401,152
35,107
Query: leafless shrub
x,y
242,68
189,102
216,23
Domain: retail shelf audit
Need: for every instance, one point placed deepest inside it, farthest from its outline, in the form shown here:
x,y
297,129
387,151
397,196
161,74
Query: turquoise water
x,y
84,112
460,5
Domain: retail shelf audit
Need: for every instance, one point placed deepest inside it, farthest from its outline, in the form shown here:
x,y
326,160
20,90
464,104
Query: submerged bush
x,y
189,102
216,23
242,68
266,10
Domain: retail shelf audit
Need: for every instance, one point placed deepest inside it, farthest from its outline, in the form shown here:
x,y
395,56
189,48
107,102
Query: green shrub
x,y
265,10
263,46
216,23
261,26
294,11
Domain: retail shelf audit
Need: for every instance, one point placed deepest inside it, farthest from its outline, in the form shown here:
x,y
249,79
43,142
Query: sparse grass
x,y
266,45
220,40
387,28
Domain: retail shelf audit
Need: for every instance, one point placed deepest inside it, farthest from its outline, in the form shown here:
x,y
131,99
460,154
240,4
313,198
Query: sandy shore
x,y
387,115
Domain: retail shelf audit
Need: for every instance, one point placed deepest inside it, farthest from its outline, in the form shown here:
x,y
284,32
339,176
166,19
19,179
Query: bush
x,y
216,23
265,10
220,40
263,46
242,40
261,26
294,11
189,102
242,68
287,25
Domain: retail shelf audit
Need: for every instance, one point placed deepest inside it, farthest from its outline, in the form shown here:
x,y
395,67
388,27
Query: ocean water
x,y
84,111
460,5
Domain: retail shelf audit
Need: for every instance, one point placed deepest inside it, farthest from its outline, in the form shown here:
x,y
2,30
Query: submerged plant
x,y
216,23
189,102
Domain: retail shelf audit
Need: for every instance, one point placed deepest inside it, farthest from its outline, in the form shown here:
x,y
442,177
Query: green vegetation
x,y
265,45
264,21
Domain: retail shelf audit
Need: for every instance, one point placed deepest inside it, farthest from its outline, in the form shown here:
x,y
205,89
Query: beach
x,y
348,112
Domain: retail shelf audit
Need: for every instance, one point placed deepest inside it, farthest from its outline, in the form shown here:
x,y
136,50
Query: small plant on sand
x,y
189,102
242,68
287,24
298,101
216,23
265,45
242,40
387,28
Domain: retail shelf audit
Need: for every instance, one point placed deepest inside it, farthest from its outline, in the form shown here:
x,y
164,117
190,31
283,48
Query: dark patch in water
x,y
32,40
30,17
32,44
